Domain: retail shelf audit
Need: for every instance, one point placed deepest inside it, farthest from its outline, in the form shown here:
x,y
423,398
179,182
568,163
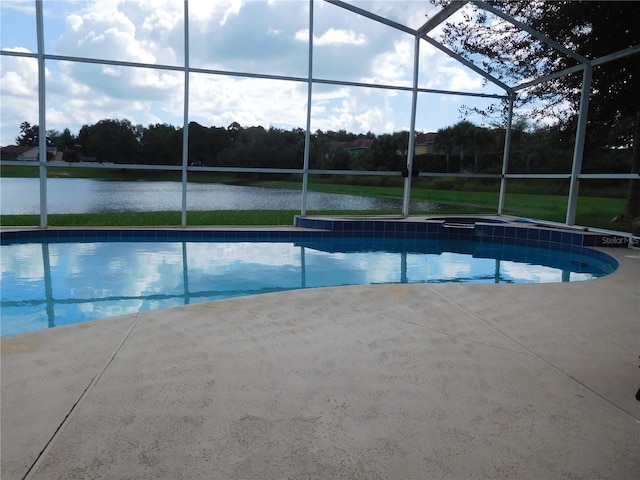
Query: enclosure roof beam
x,y
598,61
406,88
531,31
372,16
243,74
616,55
441,16
467,63
551,76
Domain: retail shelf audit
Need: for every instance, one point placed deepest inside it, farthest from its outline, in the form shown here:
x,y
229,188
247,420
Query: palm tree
x,y
463,133
481,138
445,142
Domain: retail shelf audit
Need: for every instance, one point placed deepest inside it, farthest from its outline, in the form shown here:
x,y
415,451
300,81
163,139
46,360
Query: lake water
x,y
79,195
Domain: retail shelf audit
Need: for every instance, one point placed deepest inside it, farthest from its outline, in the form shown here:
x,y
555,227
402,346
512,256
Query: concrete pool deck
x,y
420,381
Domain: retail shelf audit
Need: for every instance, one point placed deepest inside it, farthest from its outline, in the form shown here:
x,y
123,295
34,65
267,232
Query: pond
x,y
80,195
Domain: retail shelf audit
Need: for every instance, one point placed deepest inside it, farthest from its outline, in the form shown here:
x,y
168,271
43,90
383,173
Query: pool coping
x,y
487,228
546,390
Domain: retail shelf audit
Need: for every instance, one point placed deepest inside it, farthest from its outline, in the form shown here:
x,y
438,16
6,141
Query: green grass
x,y
551,210
592,211
170,219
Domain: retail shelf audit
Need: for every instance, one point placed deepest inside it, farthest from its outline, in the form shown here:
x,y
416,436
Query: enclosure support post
x,y
307,136
412,130
505,156
185,122
578,149
42,128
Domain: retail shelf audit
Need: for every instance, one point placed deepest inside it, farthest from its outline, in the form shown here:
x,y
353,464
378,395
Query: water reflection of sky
x,y
46,285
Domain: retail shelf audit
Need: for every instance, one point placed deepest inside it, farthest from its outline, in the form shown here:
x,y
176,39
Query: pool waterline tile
x,y
519,233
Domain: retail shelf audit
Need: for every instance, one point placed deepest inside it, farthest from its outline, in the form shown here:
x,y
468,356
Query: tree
x,y
65,140
29,135
198,145
162,144
462,136
219,140
284,149
390,150
481,139
445,142
591,29
327,154
114,141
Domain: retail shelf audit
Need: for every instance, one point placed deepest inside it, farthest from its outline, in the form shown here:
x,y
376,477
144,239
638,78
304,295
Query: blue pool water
x,y
47,284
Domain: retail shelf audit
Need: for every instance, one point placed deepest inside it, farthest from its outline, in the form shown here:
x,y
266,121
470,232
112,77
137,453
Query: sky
x,y
256,36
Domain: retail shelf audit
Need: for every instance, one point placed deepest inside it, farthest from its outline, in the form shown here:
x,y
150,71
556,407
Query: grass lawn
x,y
173,219
592,211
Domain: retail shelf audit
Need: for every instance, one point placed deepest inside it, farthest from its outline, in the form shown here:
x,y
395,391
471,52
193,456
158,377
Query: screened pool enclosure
x,y
317,67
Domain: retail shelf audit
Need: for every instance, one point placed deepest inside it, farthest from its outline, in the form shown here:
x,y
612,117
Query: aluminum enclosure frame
x,y
421,34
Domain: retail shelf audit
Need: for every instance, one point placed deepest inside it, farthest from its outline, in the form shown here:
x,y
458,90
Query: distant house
x,y
424,143
357,145
14,152
53,154
28,153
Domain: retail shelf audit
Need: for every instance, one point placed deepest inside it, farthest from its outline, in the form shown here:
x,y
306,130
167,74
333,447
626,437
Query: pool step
x,y
459,226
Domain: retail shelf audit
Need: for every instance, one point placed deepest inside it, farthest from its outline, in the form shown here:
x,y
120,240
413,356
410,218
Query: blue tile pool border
x,y
490,231
512,233
159,234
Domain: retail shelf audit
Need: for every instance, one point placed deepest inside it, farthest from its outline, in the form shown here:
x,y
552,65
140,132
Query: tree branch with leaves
x,y
592,29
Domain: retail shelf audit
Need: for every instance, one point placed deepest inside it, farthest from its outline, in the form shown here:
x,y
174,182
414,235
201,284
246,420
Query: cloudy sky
x,y
256,36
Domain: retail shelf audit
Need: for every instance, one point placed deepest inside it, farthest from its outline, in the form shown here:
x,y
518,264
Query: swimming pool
x,y
54,278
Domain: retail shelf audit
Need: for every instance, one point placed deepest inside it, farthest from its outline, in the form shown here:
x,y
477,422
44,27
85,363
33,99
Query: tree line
x,y
463,147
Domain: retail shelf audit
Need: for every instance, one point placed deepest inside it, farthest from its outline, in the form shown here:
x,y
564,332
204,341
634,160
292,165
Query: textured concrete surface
x,y
388,381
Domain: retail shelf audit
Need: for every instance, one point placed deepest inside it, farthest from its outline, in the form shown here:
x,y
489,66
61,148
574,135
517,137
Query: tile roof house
x,y
357,145
424,143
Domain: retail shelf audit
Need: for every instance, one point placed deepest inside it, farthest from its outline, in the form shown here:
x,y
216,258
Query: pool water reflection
x,y
52,284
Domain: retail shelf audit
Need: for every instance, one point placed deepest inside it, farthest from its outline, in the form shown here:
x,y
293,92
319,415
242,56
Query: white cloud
x,y
393,66
454,265
233,9
460,79
24,261
333,37
19,76
104,34
56,117
111,71
74,22
257,37
531,273
222,100
18,94
410,13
